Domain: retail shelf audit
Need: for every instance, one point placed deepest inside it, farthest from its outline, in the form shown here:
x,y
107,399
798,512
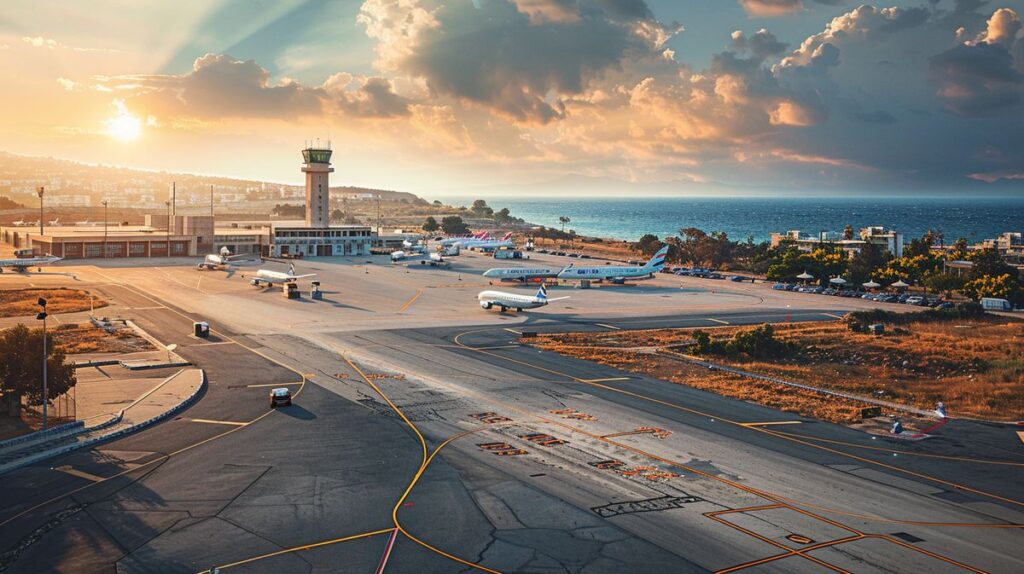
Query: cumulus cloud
x,y
371,98
220,86
770,8
520,58
983,76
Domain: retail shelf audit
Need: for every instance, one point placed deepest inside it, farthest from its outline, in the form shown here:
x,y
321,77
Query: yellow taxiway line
x,y
770,424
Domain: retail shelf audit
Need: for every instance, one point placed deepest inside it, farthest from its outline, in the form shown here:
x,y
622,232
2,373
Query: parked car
x,y
915,300
280,397
780,286
737,279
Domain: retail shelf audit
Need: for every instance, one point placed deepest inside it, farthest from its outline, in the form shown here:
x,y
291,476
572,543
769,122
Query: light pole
x,y
42,317
40,191
167,247
105,228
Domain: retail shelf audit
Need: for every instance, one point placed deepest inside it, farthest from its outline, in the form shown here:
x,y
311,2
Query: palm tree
x,y
563,220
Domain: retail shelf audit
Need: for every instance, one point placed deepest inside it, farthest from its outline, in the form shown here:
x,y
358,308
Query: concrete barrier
x,y
47,434
36,457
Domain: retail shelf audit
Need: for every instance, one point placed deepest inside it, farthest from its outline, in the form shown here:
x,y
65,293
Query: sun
x,y
124,126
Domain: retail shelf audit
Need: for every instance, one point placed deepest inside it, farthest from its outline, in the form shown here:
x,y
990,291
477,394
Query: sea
x,y
974,218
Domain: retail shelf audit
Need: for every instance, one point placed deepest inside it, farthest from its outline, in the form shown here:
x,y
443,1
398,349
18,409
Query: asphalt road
x,y
458,449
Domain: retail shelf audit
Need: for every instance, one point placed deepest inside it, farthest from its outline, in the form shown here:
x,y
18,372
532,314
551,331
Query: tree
x,y
453,225
989,263
649,244
848,232
337,215
1001,287
866,262
481,209
430,225
564,220
21,366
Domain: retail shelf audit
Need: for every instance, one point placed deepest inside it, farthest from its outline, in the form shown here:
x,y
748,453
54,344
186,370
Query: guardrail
x,y
41,435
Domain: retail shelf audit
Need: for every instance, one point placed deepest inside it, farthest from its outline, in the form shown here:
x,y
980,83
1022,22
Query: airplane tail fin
x,y
291,269
507,237
658,261
542,293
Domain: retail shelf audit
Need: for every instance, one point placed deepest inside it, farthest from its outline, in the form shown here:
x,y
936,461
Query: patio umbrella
x,y
837,281
872,285
805,276
899,284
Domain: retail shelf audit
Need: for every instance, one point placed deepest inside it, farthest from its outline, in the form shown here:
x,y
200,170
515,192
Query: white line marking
x,y
514,331
605,380
832,315
608,326
718,321
207,421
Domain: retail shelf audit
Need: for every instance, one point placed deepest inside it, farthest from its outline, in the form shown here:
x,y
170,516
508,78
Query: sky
x,y
530,96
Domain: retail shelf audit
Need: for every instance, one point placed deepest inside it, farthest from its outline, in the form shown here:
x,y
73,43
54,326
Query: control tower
x,y
317,168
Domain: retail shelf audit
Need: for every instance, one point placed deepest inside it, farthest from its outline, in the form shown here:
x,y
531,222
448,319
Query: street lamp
x,y
40,191
104,228
41,316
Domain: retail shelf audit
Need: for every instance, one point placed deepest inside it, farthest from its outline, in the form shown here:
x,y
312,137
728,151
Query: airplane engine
x,y
485,304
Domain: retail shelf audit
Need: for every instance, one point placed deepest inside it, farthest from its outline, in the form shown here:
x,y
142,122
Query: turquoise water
x,y
973,218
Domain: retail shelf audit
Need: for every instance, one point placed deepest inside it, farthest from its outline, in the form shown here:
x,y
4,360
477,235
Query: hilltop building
x,y
889,240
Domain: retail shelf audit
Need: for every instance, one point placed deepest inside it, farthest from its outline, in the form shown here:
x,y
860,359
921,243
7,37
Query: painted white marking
x,y
608,326
718,321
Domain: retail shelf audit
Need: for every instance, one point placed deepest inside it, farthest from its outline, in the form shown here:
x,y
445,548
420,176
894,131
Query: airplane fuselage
x,y
521,274
490,299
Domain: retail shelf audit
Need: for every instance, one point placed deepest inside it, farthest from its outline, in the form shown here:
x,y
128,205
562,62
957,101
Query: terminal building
x,y
173,235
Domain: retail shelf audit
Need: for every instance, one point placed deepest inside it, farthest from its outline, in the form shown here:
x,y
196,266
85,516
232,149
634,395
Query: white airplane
x,y
85,223
268,277
488,243
25,262
447,242
508,301
226,259
20,223
616,274
522,274
54,221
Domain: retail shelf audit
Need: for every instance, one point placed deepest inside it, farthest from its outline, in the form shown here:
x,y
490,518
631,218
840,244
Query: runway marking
x,y
608,326
387,552
79,473
834,316
500,347
212,422
770,424
514,331
717,321
270,385
605,380
411,301
212,344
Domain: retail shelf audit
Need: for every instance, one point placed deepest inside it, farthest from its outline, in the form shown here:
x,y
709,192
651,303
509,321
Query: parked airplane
x,y
449,241
22,263
522,274
268,277
85,223
20,223
616,274
226,259
515,301
490,243
54,222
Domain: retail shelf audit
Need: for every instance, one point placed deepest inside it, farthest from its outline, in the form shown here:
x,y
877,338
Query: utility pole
x,y
211,200
40,191
378,214
105,228
174,198
46,395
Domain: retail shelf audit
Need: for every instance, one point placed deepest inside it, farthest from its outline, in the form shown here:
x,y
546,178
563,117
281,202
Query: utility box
x,y
201,329
316,293
876,329
290,291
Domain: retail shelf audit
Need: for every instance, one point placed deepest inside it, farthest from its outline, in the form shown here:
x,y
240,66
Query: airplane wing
x,y
557,299
302,276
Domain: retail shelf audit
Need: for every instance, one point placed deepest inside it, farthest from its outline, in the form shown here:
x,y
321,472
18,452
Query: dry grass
x,y
22,302
976,367
78,338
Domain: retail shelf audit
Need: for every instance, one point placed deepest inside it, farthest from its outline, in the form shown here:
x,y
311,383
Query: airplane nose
x,y
490,273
